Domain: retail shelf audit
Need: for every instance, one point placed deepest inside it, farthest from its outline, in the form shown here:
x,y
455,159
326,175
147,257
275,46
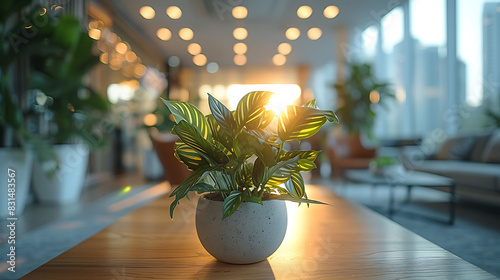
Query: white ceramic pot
x,y
66,185
21,161
250,235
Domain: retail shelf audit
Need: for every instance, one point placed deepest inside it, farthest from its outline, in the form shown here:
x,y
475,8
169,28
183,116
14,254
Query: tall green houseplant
x,y
239,155
358,96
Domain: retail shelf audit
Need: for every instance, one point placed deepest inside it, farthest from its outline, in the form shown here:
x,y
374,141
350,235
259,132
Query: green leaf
x,y
185,111
189,156
231,203
311,104
191,136
203,188
294,199
281,172
309,155
297,123
221,113
220,135
248,143
251,107
295,185
244,175
258,172
254,199
182,190
305,165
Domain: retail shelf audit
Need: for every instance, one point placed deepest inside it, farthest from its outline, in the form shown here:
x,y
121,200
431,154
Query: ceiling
x,y
267,21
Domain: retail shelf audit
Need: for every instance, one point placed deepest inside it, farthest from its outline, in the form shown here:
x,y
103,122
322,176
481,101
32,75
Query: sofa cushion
x,y
472,174
491,153
476,154
456,148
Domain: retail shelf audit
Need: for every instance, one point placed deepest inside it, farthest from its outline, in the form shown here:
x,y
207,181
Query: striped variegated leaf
x,y
309,155
251,107
294,199
244,175
296,123
185,111
231,203
305,165
247,144
281,172
295,185
220,135
182,190
192,137
311,104
221,113
189,156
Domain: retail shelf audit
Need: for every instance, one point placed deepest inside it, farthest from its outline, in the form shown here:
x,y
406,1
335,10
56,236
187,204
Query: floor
x,y
474,237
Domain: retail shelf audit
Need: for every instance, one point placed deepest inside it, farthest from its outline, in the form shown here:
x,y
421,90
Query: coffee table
x,y
337,241
399,176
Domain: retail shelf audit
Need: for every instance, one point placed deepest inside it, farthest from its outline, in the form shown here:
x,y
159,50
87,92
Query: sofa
x,y
473,161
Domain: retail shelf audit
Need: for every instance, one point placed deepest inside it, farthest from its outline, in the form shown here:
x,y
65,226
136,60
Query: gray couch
x,y
473,161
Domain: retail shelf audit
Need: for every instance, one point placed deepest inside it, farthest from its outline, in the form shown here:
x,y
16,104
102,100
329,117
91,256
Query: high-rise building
x,y
491,54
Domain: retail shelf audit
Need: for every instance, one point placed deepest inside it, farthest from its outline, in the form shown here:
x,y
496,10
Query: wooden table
x,y
340,241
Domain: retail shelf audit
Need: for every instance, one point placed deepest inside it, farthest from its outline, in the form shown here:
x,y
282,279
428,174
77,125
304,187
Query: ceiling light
x,y
331,11
104,58
95,34
121,48
240,48
314,33
174,12
240,12
279,59
139,70
200,59
115,64
174,61
240,59
304,12
240,33
292,33
130,56
147,12
164,34
284,48
194,48
186,34
212,67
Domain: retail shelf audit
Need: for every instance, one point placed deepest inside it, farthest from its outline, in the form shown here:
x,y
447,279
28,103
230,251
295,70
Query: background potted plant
x,y
18,145
358,97
240,164
67,112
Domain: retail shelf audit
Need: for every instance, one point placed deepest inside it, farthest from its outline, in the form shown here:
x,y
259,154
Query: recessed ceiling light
x,y
130,56
200,59
314,33
240,12
186,34
240,48
240,33
139,70
104,58
212,67
284,48
147,12
164,34
292,33
304,12
279,59
174,12
240,59
121,48
331,11
95,34
194,48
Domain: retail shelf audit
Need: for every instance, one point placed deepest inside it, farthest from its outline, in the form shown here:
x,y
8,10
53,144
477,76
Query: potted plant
x,y
380,165
240,165
69,112
18,145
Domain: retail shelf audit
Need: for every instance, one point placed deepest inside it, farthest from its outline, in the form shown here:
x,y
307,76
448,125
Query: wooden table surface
x,y
337,241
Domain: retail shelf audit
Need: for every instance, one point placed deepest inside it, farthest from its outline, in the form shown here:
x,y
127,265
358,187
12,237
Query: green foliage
x,y
356,111
238,155
381,162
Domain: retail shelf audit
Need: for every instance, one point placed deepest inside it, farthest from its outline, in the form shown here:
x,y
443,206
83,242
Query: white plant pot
x,y
66,185
21,161
250,235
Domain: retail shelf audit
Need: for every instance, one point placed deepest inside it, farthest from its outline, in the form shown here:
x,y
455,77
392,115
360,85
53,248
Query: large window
x,y
478,55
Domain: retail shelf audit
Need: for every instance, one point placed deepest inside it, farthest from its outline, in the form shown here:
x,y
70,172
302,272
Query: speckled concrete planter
x,y
250,235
